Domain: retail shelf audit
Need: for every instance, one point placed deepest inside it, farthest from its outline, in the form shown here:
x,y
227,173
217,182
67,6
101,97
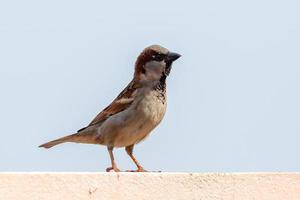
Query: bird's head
x,y
154,63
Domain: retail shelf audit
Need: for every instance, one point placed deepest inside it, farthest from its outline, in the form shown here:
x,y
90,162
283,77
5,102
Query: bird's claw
x,y
112,169
137,170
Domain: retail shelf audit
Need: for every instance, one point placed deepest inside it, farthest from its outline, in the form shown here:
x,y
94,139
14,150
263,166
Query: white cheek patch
x,y
155,66
153,70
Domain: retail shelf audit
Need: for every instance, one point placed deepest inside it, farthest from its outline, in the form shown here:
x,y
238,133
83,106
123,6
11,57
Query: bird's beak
x,y
169,60
172,56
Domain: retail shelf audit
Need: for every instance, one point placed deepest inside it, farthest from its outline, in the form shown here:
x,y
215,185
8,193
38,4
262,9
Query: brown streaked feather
x,y
123,101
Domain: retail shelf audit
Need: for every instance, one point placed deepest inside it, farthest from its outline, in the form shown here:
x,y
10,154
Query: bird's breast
x,y
135,123
151,106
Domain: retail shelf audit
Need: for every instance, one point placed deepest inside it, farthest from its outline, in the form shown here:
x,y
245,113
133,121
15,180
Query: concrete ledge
x,y
207,186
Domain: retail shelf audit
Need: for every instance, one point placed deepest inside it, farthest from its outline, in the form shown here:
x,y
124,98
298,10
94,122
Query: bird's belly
x,y
132,125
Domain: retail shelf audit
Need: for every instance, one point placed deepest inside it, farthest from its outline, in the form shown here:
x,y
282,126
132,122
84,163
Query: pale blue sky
x,y
233,97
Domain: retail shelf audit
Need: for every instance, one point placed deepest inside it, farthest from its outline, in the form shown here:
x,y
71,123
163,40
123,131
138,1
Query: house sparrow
x,y
137,110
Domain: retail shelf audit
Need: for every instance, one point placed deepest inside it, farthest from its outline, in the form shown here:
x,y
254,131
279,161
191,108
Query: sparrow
x,y
136,111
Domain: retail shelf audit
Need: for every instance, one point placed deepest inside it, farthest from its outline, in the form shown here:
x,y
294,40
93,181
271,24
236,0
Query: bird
x,y
135,112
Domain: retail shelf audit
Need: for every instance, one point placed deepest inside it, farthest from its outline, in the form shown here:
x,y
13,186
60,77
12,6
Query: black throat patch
x,y
160,88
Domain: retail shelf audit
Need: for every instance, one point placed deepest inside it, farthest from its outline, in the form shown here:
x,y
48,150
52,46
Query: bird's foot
x,y
112,169
140,169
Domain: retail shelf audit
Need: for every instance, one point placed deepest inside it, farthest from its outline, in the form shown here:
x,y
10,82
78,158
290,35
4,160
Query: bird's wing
x,y
123,101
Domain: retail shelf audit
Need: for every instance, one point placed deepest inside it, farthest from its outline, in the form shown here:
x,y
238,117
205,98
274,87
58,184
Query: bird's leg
x,y
129,150
113,164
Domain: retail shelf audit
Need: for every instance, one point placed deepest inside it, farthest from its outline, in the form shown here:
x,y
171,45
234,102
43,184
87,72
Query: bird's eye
x,y
158,57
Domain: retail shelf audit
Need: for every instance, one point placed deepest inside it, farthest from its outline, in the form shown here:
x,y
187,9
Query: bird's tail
x,y
86,135
69,138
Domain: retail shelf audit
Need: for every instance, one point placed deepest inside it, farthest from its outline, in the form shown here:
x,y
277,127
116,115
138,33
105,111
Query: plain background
x,y
233,96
